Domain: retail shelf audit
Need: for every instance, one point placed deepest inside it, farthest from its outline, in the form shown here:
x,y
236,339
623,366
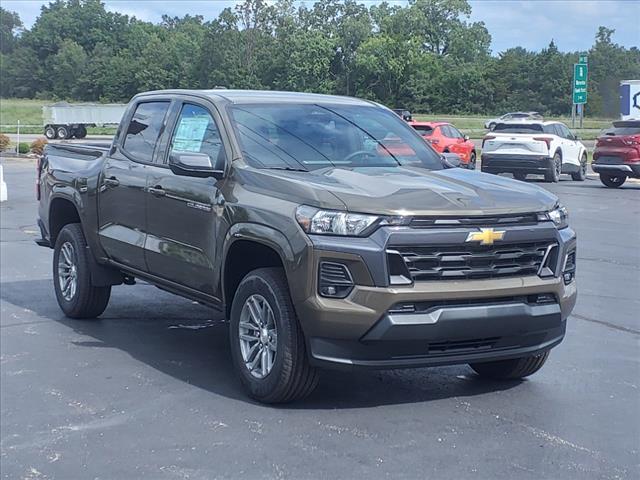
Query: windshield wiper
x,y
289,169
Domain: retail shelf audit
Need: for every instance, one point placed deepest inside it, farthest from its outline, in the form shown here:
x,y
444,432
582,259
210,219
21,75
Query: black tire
x,y
88,301
511,369
520,176
81,132
581,174
50,132
612,181
553,175
63,132
291,377
472,161
492,126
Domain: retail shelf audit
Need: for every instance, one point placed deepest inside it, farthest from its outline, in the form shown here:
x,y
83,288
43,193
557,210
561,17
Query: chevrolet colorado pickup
x,y
325,228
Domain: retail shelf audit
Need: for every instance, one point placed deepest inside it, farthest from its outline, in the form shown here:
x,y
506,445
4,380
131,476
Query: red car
x,y
617,153
445,138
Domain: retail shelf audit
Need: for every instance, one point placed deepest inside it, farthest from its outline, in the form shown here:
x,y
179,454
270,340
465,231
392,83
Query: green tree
x,y
10,27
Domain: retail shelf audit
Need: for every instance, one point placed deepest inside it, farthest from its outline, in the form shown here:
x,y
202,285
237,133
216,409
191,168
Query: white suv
x,y
534,147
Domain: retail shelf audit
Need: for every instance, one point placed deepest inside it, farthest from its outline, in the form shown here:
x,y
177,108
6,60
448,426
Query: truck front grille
x,y
460,262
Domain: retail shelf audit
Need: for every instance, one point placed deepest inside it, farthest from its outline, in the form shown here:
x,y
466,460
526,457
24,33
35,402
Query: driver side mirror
x,y
193,164
450,160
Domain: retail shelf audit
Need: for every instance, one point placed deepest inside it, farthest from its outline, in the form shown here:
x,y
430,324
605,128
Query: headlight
x,y
559,216
333,222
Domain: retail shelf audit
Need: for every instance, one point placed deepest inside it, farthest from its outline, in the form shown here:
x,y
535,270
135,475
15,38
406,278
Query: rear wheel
x,y
581,174
612,181
81,131
553,175
511,369
267,343
76,295
63,132
50,132
520,176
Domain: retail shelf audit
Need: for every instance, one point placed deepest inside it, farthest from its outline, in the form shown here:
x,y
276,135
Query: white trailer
x,y
67,120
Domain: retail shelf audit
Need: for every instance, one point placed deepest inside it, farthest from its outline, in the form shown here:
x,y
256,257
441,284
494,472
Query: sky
x,y
531,24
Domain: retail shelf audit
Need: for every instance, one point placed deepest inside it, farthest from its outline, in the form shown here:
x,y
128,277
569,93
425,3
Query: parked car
x,y
321,248
617,153
534,147
445,138
490,124
404,114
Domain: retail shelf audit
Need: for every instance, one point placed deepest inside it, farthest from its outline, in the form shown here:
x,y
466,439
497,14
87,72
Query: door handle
x,y
111,182
157,191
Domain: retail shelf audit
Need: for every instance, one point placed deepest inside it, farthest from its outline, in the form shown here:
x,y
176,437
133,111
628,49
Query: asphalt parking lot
x,y
148,390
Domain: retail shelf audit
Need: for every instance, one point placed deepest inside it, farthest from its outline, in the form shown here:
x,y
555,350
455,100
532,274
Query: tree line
x,y
425,55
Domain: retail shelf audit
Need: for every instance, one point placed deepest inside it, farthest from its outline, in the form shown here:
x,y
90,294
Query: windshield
x,y
518,128
424,130
310,136
622,131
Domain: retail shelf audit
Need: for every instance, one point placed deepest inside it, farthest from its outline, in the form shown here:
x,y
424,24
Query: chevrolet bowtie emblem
x,y
486,236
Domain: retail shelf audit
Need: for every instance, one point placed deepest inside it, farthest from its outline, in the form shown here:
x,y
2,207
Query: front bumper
x,y
455,322
501,163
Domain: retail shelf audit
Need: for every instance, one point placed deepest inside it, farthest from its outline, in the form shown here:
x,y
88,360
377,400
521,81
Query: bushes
x,y
4,142
23,147
37,146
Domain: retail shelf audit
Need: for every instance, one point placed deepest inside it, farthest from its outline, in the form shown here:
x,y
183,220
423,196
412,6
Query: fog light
x,y
334,280
569,269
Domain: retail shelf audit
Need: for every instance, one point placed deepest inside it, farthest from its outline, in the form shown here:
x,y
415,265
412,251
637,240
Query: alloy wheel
x,y
258,336
68,271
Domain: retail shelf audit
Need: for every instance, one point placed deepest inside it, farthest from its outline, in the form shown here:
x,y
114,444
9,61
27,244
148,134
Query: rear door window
x,y
144,129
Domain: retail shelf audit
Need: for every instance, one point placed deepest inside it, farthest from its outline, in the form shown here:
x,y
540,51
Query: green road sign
x,y
582,58
580,83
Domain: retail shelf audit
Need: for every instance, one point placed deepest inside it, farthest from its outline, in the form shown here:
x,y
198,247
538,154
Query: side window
x,y
557,130
143,130
549,129
196,131
566,133
455,132
446,131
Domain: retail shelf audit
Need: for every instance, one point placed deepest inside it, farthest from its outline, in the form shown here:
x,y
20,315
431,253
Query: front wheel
x,y
612,181
267,343
76,295
581,174
511,369
472,161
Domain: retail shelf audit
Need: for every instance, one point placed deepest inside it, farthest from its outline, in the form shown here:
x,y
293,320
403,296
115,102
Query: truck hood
x,y
413,191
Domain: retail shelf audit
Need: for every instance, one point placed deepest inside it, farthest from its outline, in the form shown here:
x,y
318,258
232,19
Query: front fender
x,y
269,237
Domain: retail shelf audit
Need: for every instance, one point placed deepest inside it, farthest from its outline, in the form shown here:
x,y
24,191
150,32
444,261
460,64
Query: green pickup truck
x,y
324,228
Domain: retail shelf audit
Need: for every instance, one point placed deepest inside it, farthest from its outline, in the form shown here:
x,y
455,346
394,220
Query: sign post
x,y
579,94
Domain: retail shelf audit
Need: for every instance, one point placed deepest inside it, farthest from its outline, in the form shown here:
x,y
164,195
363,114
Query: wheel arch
x,y
62,211
247,247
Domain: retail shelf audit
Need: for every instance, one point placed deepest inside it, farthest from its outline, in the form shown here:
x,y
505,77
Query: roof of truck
x,y
265,96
